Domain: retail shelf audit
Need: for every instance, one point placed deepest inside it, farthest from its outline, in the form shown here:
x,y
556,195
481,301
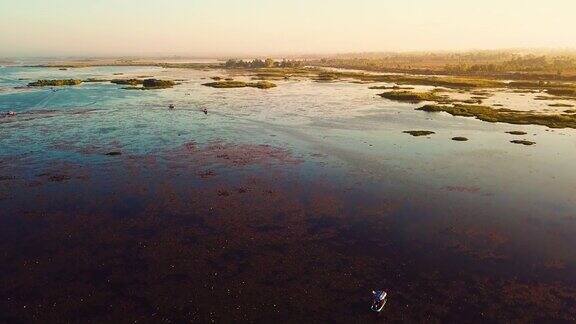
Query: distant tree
x,y
269,62
231,63
258,63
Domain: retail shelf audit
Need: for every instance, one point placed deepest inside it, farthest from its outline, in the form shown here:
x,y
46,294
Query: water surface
x,y
286,204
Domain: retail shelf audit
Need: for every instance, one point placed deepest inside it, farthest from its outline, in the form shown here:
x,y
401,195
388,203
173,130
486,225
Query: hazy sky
x,y
236,27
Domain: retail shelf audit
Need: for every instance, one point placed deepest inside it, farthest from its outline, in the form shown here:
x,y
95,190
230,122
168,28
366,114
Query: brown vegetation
x,y
417,133
241,84
509,116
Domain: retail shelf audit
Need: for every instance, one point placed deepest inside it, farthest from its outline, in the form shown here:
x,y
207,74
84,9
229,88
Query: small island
x,y
241,84
132,82
418,133
411,97
135,84
523,142
55,83
158,84
146,84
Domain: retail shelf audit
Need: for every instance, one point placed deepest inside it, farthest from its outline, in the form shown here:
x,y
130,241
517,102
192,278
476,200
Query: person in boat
x,y
379,300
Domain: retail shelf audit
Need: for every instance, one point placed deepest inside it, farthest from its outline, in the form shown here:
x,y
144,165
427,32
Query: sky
x,y
275,27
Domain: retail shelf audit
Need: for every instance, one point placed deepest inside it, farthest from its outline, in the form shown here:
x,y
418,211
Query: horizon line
x,y
527,50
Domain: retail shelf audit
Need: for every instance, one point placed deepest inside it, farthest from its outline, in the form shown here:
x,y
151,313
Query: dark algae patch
x,y
417,133
503,115
151,244
523,142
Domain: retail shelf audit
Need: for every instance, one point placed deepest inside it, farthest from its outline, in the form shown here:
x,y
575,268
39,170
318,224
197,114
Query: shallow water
x,y
284,204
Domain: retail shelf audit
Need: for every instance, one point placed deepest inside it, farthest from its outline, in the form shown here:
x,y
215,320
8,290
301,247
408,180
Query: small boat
x,y
379,300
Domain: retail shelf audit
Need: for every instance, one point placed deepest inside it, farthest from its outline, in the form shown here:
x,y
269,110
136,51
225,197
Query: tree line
x,y
529,63
267,63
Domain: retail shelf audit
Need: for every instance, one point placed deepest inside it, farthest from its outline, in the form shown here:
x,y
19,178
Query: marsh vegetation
x,y
146,84
132,82
418,133
395,87
412,97
528,65
266,63
504,115
471,89
516,133
157,84
523,142
241,84
55,83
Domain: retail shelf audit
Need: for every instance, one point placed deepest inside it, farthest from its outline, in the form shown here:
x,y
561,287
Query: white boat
x,y
379,300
